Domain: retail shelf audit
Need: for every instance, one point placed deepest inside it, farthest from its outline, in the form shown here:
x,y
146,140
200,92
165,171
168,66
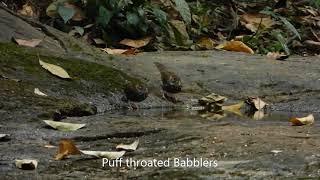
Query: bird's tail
x,y
160,66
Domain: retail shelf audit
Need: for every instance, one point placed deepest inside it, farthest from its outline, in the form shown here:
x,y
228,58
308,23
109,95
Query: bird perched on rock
x,y
135,91
170,81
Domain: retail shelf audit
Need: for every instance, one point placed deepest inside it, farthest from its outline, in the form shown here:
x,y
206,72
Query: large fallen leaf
x,y
105,154
138,43
252,21
302,121
256,103
237,46
128,147
28,43
55,70
63,126
26,164
38,92
66,147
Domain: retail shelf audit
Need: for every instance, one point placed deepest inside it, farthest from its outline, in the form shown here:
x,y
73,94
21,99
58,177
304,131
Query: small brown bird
x,y
170,81
135,91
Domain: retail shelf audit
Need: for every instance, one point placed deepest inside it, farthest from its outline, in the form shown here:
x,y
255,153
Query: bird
x,y
171,82
135,91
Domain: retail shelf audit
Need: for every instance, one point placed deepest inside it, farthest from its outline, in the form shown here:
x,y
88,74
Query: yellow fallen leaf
x,y
206,43
63,126
66,147
28,43
136,43
302,121
128,147
55,70
235,108
236,46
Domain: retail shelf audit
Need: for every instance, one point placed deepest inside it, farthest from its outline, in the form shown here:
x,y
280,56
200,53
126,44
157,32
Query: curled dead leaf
x,y
128,147
212,98
66,147
256,103
236,46
138,43
38,92
302,121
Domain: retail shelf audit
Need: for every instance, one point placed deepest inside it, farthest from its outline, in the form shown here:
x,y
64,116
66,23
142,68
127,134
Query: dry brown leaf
x,y
276,56
55,70
252,21
206,43
26,164
237,46
66,147
28,43
28,10
302,121
136,43
128,147
212,98
114,51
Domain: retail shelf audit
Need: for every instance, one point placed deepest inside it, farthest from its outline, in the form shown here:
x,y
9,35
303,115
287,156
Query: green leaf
x,y
132,18
65,13
160,15
283,43
184,10
290,26
104,16
80,30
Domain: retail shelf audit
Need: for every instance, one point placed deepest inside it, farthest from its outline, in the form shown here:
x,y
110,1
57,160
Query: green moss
x,y
98,76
